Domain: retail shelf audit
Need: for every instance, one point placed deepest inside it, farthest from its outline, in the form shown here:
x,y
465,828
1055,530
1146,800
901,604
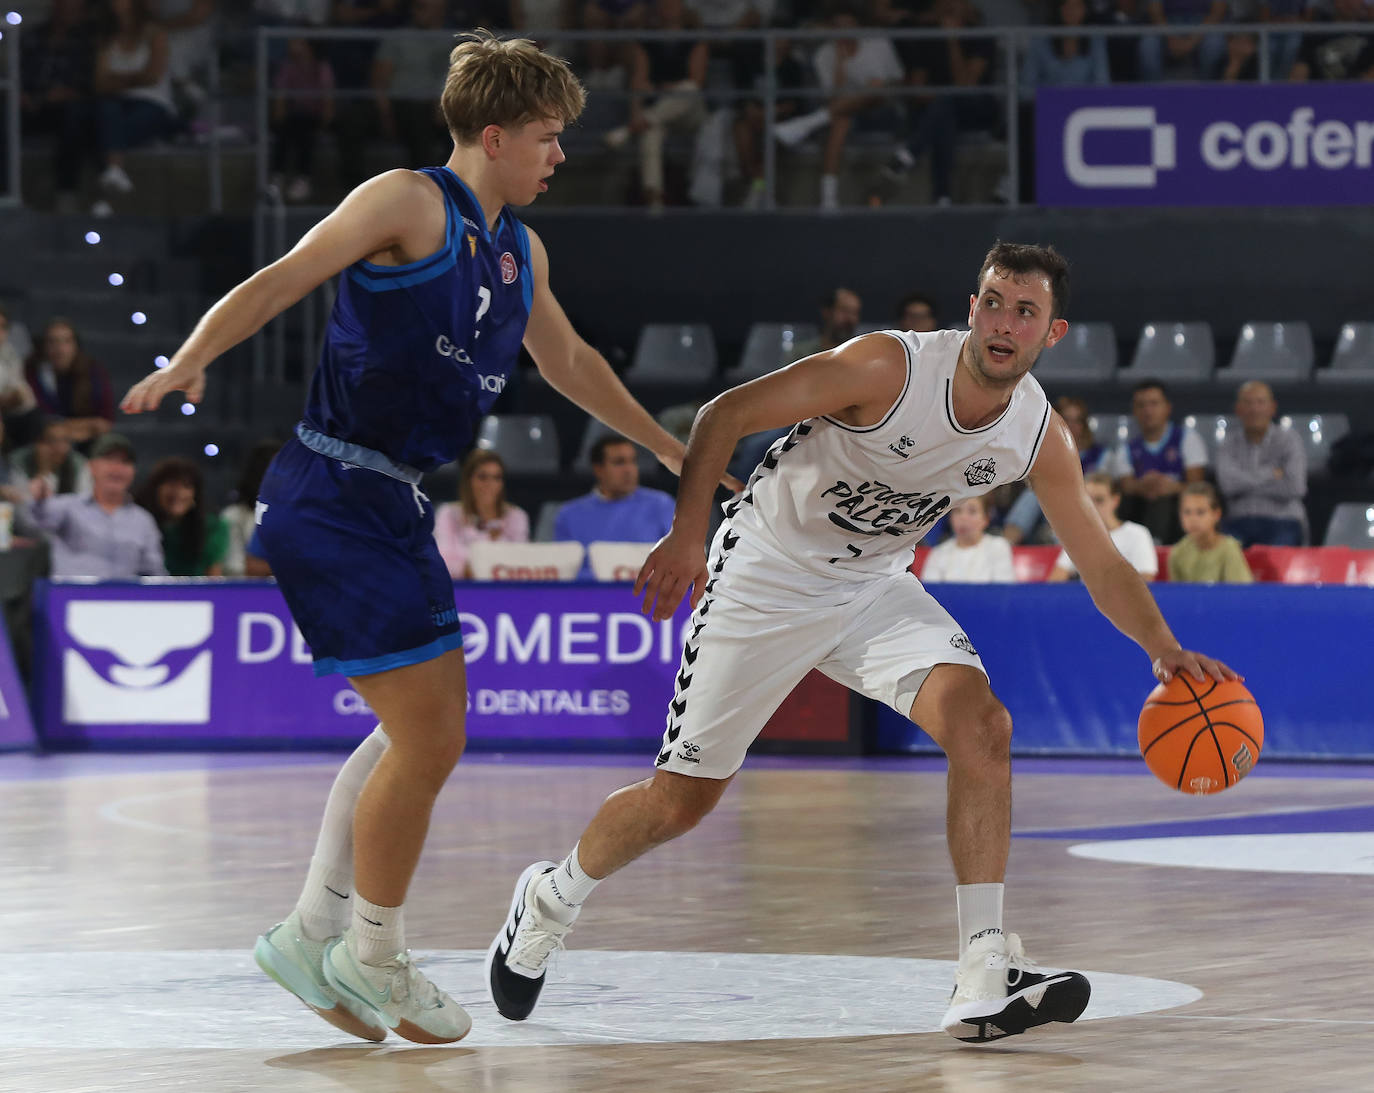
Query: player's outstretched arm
x,y
1116,588
858,382
377,216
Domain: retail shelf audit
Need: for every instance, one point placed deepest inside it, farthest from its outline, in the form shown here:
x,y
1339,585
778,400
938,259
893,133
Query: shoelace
x,y
417,985
1018,963
534,944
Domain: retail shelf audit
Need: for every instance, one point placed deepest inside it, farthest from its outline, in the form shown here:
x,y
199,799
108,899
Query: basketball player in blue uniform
x,y
440,286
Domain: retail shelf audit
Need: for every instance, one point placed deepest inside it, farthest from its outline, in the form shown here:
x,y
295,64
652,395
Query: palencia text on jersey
x,y
875,508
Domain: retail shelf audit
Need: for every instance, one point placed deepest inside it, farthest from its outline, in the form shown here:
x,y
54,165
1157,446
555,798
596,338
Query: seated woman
x,y
194,542
71,384
240,517
481,512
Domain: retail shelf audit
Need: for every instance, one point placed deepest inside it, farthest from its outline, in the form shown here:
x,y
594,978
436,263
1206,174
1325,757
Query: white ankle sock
x,y
562,892
980,911
379,933
325,906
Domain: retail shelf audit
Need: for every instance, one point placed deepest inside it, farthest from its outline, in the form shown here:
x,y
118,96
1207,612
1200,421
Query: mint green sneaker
x,y
297,963
408,1002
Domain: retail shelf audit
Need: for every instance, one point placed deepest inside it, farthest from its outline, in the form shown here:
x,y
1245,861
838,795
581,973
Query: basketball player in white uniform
x,y
810,570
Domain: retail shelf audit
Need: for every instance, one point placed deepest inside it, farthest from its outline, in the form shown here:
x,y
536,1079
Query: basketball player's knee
x,y
981,733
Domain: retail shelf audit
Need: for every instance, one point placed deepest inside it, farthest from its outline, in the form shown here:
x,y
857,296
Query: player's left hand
x,y
674,565
149,391
1167,665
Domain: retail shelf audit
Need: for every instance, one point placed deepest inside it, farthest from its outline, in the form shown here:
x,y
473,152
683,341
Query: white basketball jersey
x,y
844,501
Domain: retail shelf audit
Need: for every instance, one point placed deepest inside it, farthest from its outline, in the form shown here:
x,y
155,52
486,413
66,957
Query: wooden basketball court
x,y
801,939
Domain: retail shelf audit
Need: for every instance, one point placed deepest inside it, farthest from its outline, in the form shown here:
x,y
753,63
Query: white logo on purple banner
x,y
137,662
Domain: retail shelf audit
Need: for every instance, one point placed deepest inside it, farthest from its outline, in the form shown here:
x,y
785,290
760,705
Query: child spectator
x,y
1204,555
1132,540
970,556
481,512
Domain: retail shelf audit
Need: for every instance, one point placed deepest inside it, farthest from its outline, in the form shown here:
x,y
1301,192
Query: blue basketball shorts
x,y
353,552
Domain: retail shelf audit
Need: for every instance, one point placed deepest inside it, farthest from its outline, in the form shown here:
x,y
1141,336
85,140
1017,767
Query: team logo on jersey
x,y
508,270
960,641
901,447
472,245
981,472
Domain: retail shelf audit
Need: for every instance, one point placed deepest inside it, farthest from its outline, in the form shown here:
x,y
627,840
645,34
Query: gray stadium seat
x,y
1111,429
1280,352
674,351
543,527
1172,353
1087,355
1212,429
769,346
1352,361
1317,432
1352,525
526,443
597,429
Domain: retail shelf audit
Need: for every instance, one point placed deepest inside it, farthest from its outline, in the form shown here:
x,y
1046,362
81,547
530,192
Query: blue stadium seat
x,y
1278,352
1352,361
769,346
1352,525
674,351
526,443
1087,354
1172,353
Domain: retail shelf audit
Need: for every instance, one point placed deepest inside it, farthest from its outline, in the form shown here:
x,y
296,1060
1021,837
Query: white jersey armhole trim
x,y
900,398
1039,442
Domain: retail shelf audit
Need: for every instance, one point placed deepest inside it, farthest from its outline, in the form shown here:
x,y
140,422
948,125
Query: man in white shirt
x,y
1132,540
970,556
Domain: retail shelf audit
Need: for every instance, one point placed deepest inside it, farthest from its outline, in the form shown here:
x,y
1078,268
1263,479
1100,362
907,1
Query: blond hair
x,y
507,83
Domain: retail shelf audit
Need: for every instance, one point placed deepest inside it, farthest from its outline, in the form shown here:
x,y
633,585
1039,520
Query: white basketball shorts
x,y
764,623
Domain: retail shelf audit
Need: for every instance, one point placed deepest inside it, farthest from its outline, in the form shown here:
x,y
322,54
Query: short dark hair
x,y
1022,258
610,440
1205,490
1151,385
1102,478
917,298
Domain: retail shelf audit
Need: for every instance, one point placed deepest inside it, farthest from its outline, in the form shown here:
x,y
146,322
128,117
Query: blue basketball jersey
x,y
415,355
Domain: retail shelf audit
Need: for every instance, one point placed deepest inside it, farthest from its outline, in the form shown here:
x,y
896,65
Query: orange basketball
x,y
1200,737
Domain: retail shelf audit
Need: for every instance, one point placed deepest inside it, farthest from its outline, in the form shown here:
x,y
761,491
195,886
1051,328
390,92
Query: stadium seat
x,y
526,443
674,351
1352,525
617,561
525,561
1172,353
1361,568
1317,432
1033,563
543,525
1212,429
1162,562
1279,352
1352,361
769,346
1298,565
648,465
1111,429
1086,355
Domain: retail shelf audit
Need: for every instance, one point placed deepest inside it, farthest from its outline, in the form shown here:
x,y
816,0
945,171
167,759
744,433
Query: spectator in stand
x,y
352,62
240,518
1194,56
103,533
51,459
17,403
56,67
619,509
1262,473
790,74
970,555
916,312
190,47
69,383
1204,555
841,313
954,61
1340,55
1284,48
1158,462
194,540
480,513
1132,540
606,61
135,89
303,104
853,71
669,77
1025,518
407,74
1123,52
540,20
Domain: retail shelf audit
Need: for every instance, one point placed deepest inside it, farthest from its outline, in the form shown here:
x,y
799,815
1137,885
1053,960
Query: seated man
x,y
102,533
618,510
1262,472
1163,458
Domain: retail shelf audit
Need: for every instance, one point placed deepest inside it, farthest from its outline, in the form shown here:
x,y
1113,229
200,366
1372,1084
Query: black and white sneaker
x,y
518,957
998,992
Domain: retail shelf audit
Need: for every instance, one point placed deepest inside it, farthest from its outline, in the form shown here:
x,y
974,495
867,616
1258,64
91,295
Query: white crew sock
x,y
325,905
980,911
379,933
561,893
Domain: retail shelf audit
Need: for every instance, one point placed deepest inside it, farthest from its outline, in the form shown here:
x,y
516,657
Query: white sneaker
x,y
408,1002
518,958
114,179
297,963
999,992
795,130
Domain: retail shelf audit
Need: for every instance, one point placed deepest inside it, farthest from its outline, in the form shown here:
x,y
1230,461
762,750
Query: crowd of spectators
x,y
104,76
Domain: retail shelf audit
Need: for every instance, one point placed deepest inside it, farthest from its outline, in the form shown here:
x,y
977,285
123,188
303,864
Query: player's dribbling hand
x,y
1167,665
670,569
148,392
